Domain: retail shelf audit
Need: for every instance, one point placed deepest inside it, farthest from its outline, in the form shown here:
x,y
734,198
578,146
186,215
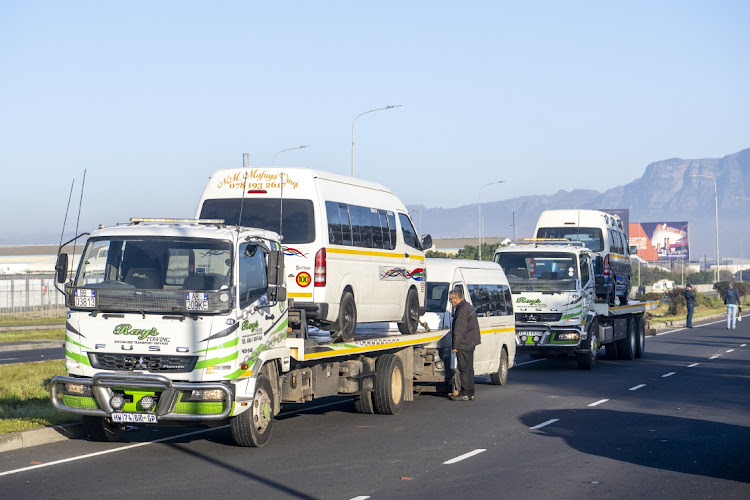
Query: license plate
x,y
196,301
85,298
134,418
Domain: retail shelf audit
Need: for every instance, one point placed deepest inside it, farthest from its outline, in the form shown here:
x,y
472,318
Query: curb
x,y
26,439
31,344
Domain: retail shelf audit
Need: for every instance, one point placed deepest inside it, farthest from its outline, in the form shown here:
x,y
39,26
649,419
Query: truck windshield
x,y
298,221
154,275
539,271
436,296
589,236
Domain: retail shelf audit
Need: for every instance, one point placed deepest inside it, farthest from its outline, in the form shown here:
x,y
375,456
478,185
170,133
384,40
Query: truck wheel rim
x,y
396,384
261,411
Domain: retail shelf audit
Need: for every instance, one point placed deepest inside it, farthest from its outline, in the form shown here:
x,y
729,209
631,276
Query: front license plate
x,y
134,418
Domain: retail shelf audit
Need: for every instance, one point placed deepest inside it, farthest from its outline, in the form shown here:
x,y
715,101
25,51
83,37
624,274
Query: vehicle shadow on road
x,y
684,445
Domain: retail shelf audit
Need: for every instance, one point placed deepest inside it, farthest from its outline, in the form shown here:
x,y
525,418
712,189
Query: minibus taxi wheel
x,y
347,321
411,314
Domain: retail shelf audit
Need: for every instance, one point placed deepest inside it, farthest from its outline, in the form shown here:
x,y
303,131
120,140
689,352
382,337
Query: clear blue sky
x,y
151,97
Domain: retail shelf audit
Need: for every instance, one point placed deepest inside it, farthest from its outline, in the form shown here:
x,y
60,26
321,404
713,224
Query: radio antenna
x,y
62,233
242,201
281,209
78,220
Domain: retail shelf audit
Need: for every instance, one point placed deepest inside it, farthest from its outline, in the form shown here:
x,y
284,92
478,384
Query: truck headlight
x,y
568,336
78,390
203,395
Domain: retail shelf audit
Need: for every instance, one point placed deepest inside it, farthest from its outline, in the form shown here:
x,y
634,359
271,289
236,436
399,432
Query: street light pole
x,y
480,214
273,161
355,120
716,213
682,270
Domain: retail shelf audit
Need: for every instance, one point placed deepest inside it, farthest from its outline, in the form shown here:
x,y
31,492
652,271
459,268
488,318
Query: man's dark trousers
x,y
689,321
465,366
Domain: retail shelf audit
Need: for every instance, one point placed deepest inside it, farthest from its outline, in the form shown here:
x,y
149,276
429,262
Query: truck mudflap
x,y
169,400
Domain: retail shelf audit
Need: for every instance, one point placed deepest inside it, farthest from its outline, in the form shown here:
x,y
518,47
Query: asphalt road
x,y
671,425
29,355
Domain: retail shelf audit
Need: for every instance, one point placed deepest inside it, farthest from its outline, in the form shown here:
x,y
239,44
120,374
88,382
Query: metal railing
x,y
30,295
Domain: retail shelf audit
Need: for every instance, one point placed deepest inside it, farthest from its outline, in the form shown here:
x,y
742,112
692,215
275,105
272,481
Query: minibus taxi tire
x,y
500,377
411,314
347,321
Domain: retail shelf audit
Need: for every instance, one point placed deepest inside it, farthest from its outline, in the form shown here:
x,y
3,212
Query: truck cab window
x,y
252,274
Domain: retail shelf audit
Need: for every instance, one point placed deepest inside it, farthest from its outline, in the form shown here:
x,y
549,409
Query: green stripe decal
x,y
68,339
231,343
84,360
216,361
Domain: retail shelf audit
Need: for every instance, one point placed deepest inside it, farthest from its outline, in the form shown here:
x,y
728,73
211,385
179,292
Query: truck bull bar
x,y
101,385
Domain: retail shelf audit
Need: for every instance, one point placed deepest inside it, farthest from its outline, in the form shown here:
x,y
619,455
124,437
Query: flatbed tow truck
x,y
184,321
554,299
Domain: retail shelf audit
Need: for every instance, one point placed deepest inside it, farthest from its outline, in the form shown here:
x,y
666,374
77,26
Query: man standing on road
x,y
466,337
732,300
690,301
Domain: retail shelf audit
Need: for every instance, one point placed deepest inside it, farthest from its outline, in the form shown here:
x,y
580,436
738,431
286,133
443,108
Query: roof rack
x,y
138,220
547,241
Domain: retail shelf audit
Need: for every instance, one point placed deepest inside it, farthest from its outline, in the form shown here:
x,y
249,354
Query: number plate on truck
x,y
85,298
196,301
136,418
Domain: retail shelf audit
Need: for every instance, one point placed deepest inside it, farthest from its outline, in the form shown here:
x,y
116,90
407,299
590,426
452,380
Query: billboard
x,y
661,240
623,214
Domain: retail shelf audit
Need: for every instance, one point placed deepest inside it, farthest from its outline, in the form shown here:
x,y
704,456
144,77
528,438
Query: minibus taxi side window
x,y
346,229
377,231
335,234
407,229
391,229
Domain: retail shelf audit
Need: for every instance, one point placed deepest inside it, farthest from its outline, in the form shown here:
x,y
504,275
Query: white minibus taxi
x,y
486,288
351,251
601,233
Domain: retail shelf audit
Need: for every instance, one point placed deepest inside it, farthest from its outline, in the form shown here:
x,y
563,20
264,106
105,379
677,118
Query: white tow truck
x,y
554,299
187,321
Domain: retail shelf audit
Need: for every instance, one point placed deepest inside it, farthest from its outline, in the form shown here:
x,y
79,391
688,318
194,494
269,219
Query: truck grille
x,y
538,317
162,364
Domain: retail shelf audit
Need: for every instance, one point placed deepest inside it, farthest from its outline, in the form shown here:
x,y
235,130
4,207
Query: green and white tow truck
x,y
554,299
181,321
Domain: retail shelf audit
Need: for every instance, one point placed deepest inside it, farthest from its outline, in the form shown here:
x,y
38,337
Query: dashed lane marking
x,y
696,326
730,350
715,356
694,364
667,375
544,424
636,387
597,403
465,456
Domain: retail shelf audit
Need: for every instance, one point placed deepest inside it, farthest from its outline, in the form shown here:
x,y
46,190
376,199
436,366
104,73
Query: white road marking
x,y
694,364
697,326
544,424
715,356
464,456
667,375
743,345
529,362
597,403
730,350
160,440
636,387
8,359
360,498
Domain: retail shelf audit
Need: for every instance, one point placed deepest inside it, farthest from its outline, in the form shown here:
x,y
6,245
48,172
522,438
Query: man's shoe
x,y
471,398
460,398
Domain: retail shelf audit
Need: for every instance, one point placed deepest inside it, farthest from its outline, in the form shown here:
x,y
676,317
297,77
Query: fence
x,y
30,295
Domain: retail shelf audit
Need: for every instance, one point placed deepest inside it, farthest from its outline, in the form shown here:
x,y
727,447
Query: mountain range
x,y
666,192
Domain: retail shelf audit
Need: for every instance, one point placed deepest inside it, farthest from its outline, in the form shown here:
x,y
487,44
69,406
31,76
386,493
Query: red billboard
x,y
661,240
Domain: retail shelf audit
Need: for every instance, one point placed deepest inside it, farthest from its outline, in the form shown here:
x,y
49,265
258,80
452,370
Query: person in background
x,y
732,300
690,302
466,336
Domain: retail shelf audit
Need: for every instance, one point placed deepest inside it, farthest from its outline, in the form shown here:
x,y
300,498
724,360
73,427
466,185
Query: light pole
x,y
273,162
716,212
419,211
355,120
480,214
682,270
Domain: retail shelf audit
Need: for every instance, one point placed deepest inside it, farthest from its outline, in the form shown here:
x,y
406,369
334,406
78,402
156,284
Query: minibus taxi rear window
x,y
298,223
589,236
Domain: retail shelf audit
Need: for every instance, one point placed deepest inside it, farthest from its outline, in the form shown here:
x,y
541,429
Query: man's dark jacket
x,y
690,297
732,296
465,327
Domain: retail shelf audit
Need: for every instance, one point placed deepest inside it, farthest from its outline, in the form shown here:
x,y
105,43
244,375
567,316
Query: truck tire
x,y
640,329
624,298
253,426
347,322
363,403
627,347
388,396
611,351
411,314
500,377
587,360
102,429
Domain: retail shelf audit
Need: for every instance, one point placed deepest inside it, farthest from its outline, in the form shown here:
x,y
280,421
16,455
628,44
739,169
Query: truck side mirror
x,y
275,271
599,265
633,249
276,293
426,242
61,267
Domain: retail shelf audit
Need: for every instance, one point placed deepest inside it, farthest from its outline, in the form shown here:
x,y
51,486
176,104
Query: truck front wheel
x,y
388,396
587,360
253,426
102,429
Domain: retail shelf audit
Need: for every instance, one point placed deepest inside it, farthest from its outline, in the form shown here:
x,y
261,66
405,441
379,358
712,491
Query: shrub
x,y
709,301
741,287
649,296
676,298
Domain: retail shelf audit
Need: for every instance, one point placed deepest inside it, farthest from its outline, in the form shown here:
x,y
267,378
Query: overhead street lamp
x,y
682,270
716,213
273,162
480,214
355,120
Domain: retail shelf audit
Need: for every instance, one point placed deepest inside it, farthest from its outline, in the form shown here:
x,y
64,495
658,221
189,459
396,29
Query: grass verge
x,y
24,396
6,320
17,336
